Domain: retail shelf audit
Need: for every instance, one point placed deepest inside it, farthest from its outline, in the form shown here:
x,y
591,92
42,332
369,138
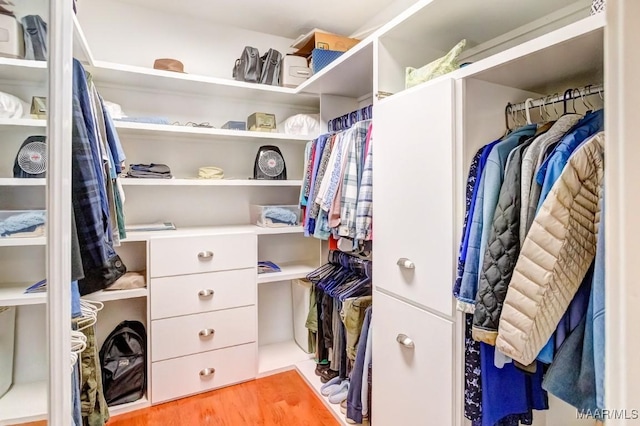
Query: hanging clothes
x,y
555,256
101,264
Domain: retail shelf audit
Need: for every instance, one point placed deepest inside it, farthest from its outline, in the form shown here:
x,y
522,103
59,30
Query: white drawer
x,y
192,334
184,376
411,382
192,255
193,294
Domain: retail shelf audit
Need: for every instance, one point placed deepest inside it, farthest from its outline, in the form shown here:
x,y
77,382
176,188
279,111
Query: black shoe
x,y
321,368
328,375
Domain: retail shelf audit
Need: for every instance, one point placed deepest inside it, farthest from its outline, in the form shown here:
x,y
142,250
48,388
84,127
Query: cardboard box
x,y
318,39
261,122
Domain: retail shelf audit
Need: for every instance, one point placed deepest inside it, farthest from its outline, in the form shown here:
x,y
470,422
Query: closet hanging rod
x,y
568,95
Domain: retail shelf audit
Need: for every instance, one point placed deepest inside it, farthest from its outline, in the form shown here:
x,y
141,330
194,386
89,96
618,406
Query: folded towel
x,y
154,171
22,222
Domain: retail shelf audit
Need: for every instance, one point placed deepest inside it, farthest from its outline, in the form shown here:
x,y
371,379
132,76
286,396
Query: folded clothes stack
x,y
26,224
149,171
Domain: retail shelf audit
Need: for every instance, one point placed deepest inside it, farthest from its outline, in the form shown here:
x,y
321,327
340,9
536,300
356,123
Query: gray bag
x,y
271,64
249,67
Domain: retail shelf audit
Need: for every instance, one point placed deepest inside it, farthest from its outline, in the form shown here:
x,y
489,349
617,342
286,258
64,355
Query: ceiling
x,y
285,18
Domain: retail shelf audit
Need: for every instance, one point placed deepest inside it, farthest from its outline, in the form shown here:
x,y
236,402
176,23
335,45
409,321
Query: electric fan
x,y
269,164
31,160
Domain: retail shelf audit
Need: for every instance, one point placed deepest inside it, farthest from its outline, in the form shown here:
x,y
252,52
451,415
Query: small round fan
x,y
269,164
31,160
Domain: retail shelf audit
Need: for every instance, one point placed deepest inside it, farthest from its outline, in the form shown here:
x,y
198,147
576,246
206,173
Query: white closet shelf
x,y
279,231
208,182
131,406
23,182
133,77
288,271
108,296
433,24
13,295
134,236
574,51
81,50
24,402
23,70
350,75
23,122
21,242
147,129
307,370
278,357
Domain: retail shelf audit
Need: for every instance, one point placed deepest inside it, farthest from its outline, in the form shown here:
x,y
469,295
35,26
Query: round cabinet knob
x,y
204,294
206,333
205,255
405,341
207,372
405,263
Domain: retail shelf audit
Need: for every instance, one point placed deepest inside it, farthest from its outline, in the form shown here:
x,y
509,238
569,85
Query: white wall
x,y
129,34
386,15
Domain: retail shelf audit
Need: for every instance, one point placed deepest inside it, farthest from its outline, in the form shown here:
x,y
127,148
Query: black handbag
x,y
249,67
271,64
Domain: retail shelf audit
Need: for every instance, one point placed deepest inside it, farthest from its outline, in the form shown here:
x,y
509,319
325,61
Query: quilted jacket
x,y
555,257
500,256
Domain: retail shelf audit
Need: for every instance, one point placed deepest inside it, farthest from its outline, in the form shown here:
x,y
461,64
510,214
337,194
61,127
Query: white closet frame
x,y
339,88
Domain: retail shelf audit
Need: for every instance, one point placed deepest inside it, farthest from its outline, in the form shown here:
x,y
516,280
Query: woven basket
x,y
598,6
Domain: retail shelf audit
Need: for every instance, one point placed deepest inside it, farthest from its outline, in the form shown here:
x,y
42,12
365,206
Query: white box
x,y
7,339
300,294
11,37
294,71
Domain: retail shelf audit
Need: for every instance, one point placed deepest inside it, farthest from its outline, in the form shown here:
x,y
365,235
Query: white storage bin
x,y
7,331
277,216
300,294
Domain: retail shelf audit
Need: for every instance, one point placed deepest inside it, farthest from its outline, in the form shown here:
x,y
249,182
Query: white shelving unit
x,y
24,402
120,75
279,357
126,128
22,242
14,295
23,70
287,272
111,295
131,406
351,75
22,182
208,182
23,122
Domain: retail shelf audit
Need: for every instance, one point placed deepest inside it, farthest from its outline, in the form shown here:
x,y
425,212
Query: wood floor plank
x,y
279,400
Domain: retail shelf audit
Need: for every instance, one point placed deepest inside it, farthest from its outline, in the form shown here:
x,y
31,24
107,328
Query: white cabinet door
x,y
413,194
412,365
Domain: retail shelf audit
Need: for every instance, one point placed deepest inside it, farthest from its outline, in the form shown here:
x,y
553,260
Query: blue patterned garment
x,y
102,266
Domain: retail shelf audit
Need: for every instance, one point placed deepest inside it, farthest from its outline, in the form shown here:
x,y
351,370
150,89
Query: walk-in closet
x,y
194,227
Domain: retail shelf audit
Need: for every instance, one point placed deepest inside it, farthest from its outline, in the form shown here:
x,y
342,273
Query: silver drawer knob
x,y
405,341
405,263
206,333
207,372
205,255
203,294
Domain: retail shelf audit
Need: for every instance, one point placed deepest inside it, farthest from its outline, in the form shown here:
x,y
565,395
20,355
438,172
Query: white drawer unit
x,y
190,334
414,246
413,375
192,294
179,377
193,255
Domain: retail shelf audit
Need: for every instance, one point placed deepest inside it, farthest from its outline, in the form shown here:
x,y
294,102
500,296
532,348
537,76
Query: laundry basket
x,y
7,332
300,294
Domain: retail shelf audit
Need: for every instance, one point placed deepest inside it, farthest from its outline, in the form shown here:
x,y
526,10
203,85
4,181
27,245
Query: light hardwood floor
x,y
280,400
